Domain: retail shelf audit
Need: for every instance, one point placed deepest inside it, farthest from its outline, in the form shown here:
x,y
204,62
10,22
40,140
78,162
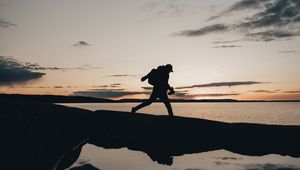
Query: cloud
x,y
287,51
224,42
220,163
204,30
167,7
147,88
276,91
271,35
240,6
272,20
35,66
185,94
115,85
13,72
229,158
270,167
58,87
102,86
210,95
81,44
227,46
106,93
296,91
279,13
110,85
221,84
44,87
264,91
122,75
6,24
181,94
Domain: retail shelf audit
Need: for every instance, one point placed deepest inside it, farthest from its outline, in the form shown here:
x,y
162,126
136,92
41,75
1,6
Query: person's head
x,y
169,68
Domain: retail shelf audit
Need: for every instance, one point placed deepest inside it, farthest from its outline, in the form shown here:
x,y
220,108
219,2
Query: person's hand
x,y
172,91
143,78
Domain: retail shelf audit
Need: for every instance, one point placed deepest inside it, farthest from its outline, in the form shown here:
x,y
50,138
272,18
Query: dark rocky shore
x,y
39,135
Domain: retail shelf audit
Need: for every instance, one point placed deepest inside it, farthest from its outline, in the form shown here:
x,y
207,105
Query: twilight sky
x,y
240,49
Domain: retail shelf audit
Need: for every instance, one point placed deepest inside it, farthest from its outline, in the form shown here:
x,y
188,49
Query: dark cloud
x,y
204,30
6,24
247,4
227,46
106,93
273,20
280,13
240,6
81,44
270,167
270,35
13,72
221,84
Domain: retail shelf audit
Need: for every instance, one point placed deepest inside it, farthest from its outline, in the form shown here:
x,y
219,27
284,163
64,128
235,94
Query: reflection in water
x,y
204,141
124,159
46,136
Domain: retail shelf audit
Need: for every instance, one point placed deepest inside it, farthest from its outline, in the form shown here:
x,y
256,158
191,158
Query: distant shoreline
x,y
83,99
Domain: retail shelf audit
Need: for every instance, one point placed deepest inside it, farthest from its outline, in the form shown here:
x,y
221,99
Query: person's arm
x,y
146,76
171,89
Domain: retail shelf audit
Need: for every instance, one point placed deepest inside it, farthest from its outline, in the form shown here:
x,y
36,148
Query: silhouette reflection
x,y
46,136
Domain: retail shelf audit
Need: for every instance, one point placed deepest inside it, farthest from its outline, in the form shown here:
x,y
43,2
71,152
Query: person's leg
x,y
145,103
169,107
164,98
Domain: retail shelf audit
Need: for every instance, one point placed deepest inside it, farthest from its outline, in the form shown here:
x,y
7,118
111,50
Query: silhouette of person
x,y
158,78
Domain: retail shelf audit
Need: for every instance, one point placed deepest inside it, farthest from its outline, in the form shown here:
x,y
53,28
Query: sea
x,y
273,113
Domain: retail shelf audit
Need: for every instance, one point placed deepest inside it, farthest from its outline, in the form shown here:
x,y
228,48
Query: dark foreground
x,y
36,135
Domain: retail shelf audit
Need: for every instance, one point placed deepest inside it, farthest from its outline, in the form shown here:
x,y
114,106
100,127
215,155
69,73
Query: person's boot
x,y
133,110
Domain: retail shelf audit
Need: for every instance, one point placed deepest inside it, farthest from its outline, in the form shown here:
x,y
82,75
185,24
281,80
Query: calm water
x,y
267,113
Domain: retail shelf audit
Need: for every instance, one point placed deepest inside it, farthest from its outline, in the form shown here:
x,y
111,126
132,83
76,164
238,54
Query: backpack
x,y
152,79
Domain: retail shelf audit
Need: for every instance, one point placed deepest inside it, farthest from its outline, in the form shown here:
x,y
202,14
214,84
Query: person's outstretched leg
x,y
145,103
